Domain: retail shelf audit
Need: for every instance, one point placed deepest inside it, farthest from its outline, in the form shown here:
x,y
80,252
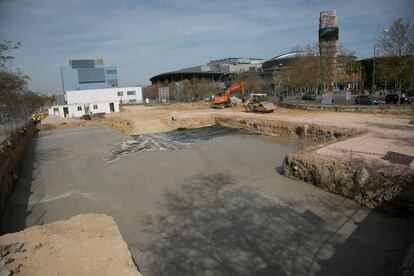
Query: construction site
x,y
300,164
196,190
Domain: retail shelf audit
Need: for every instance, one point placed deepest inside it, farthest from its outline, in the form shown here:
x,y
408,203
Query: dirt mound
x,y
156,119
88,244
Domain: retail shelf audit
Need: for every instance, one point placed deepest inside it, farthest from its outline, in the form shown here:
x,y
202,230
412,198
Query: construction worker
x,y
39,120
34,119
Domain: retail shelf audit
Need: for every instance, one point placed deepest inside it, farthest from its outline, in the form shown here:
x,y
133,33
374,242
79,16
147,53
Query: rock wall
x,y
11,157
372,189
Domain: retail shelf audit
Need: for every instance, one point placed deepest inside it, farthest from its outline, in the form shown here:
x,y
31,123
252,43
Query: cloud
x,y
144,38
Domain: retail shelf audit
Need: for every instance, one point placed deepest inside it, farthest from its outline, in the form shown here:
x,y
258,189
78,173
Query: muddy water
x,y
201,202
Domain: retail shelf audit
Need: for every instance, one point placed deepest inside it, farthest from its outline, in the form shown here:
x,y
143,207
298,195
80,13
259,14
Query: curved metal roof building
x,y
213,70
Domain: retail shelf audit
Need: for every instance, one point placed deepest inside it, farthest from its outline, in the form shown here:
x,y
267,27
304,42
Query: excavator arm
x,y
233,87
222,101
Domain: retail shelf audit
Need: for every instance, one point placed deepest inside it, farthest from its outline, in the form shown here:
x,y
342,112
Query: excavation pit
x,y
215,206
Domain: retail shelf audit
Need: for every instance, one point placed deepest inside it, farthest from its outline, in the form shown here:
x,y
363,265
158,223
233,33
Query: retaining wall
x,y
11,157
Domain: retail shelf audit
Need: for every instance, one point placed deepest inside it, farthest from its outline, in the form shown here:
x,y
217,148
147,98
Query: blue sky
x,y
145,38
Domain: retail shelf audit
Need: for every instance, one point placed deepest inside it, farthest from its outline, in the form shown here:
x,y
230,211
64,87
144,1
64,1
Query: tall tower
x,y
328,44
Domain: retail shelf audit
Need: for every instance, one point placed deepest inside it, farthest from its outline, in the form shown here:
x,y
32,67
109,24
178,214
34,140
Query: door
x,y
66,112
56,111
87,110
111,107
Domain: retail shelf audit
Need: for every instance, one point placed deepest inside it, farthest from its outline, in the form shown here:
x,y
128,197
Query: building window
x,y
111,71
79,108
95,106
133,101
113,83
120,94
129,93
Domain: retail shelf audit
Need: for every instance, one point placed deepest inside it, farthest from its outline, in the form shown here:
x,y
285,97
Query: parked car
x,y
308,97
365,99
406,99
393,98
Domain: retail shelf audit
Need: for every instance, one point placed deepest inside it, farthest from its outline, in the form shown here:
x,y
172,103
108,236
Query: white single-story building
x,y
84,102
78,110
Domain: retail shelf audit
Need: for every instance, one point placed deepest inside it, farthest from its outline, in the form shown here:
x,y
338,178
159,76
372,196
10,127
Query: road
x,y
214,207
339,99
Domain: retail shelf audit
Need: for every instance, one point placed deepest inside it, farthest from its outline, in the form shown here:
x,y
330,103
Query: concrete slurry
x,y
212,207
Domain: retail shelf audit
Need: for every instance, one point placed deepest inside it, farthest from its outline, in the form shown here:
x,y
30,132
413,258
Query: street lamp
x,y
373,61
275,77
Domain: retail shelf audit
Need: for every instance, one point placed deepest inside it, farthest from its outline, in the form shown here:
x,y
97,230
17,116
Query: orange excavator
x,y
223,99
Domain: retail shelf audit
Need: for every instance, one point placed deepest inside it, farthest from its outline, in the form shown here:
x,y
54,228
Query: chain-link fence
x,y
13,119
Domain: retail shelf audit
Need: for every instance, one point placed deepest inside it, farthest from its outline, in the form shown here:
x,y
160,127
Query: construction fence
x,y
13,119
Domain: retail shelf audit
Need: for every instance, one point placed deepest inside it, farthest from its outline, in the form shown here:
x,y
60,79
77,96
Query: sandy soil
x,y
385,132
53,121
83,245
56,120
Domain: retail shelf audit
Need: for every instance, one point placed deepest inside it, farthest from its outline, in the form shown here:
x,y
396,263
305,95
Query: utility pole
x,y
373,67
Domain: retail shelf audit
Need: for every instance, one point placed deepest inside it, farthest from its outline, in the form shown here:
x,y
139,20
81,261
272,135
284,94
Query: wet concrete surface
x,y
215,206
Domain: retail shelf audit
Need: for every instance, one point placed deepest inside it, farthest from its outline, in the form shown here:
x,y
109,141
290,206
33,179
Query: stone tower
x,y
328,44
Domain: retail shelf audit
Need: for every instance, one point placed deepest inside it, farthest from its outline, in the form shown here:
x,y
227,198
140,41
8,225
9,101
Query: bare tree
x,y
295,77
398,44
386,75
296,48
203,88
13,83
398,40
252,81
307,70
353,71
151,91
304,72
187,89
